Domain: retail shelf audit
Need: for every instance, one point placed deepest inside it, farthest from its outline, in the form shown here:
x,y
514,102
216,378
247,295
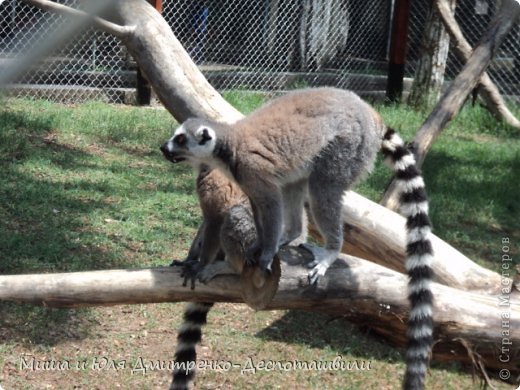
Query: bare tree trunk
x,y
429,76
322,20
375,233
488,90
467,325
455,96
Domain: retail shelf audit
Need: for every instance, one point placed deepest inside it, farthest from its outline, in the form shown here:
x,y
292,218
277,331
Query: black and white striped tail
x,y
189,335
414,206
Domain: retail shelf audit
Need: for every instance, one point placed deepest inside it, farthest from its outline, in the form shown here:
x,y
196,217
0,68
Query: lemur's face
x,y
193,142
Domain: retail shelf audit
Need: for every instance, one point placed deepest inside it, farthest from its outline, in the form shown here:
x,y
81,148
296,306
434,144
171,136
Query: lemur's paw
x,y
206,274
250,262
318,270
215,269
265,263
190,271
313,264
252,254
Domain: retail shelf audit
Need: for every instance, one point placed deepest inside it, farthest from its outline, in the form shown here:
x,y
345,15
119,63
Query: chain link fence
x,y
94,65
267,45
278,45
473,17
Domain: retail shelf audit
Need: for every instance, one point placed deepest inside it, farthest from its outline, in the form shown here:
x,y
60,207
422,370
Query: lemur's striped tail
x,y
414,206
189,335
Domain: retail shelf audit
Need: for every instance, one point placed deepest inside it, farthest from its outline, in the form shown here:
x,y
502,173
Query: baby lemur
x,y
314,144
217,196
227,230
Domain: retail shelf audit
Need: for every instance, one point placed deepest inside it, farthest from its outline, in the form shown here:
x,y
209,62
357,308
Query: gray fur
x,y
225,233
317,142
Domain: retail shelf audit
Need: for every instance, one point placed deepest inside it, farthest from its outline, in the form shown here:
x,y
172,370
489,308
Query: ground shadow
x,y
44,223
323,331
482,195
346,339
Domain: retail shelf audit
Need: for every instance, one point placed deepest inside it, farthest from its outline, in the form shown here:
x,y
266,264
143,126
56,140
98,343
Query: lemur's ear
x,y
204,134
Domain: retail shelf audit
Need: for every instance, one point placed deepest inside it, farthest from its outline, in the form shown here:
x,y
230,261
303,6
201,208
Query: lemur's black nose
x,y
165,150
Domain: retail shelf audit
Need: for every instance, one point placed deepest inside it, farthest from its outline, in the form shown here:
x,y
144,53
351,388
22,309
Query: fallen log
x,y
376,233
468,327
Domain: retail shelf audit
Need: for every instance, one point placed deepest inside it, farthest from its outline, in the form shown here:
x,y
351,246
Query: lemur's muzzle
x,y
169,154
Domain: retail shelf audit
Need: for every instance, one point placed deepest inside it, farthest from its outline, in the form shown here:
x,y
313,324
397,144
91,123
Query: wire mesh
x,y
267,45
473,17
92,66
278,45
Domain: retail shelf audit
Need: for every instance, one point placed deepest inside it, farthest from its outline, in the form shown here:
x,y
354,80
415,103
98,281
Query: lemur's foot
x,y
318,270
212,270
252,254
323,258
265,263
190,271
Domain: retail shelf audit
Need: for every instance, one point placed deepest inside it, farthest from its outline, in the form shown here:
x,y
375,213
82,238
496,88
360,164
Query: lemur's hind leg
x,y
237,233
204,250
326,212
294,195
267,206
217,268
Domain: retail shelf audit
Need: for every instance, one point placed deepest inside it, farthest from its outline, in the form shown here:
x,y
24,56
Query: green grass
x,y
471,174
85,187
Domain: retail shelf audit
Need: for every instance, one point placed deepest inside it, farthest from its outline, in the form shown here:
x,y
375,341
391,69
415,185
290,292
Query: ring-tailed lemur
x,y
316,143
227,227
217,195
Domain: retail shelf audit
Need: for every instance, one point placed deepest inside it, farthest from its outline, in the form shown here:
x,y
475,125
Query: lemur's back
x,y
289,132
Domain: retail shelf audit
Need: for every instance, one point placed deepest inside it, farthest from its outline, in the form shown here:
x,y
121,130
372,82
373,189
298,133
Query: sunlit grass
x,y
85,187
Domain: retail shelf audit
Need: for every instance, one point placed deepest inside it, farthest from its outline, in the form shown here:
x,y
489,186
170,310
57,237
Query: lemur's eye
x,y
204,136
180,140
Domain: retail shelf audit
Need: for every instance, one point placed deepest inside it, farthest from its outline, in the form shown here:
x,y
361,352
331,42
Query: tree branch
x,y
102,24
454,97
489,91
363,292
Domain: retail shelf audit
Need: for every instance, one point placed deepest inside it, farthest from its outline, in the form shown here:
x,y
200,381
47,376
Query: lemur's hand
x,y
190,271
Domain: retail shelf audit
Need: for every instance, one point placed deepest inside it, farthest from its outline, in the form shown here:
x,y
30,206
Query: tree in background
x,y
429,75
322,20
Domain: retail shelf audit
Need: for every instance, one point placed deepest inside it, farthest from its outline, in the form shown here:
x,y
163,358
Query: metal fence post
x,y
398,45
